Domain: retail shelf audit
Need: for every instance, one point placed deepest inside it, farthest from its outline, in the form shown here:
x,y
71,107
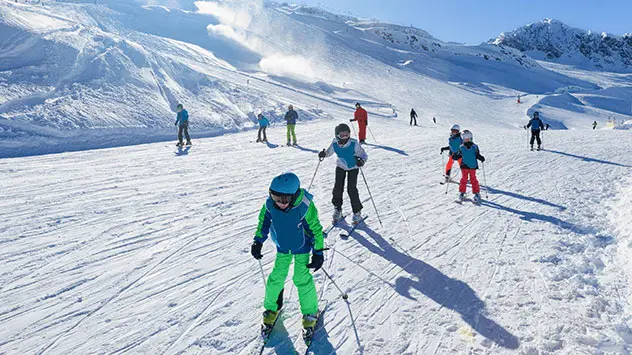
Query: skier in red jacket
x,y
361,116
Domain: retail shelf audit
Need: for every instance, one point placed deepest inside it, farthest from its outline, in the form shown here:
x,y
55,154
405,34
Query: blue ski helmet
x,y
286,184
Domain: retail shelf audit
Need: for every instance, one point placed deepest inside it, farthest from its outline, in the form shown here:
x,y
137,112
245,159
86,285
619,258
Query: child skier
x,y
182,122
263,124
454,143
290,215
469,153
536,125
291,117
351,157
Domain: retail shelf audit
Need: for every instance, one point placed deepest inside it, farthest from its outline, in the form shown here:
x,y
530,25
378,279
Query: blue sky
x,y
476,21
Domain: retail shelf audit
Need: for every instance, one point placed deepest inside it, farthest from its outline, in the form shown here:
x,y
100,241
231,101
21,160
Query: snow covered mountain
x,y
77,75
552,40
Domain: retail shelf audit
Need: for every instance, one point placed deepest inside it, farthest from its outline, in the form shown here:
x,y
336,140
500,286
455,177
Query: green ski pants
x,y
290,131
302,279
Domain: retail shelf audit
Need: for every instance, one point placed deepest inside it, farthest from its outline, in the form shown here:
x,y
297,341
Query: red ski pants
x,y
471,174
362,133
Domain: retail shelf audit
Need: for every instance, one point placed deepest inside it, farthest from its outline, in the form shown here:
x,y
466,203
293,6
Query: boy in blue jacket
x,y
536,125
469,153
290,216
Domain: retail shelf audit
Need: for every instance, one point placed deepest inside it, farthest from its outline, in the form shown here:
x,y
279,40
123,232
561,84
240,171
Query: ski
x,y
333,225
355,226
266,331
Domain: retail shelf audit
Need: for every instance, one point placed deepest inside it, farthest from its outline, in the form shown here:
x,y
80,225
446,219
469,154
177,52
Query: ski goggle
x,y
343,135
281,199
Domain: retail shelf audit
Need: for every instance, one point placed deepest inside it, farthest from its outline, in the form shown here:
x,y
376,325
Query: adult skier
x,y
413,116
182,122
536,126
362,117
454,143
290,117
290,215
469,152
351,157
594,125
263,125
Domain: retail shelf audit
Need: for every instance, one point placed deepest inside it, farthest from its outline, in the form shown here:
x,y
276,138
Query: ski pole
x,y
354,131
342,294
371,196
311,182
370,131
442,163
485,182
263,275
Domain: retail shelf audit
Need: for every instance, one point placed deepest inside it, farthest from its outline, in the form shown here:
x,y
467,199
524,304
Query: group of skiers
x,y
461,148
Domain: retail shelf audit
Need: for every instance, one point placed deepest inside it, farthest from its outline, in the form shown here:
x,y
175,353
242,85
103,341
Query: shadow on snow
x,y
387,148
183,151
523,197
444,290
587,159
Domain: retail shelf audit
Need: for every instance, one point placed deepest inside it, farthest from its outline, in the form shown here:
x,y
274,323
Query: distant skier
x,y
287,205
536,125
454,143
291,117
594,125
351,157
263,125
434,120
518,98
362,117
182,122
413,116
469,153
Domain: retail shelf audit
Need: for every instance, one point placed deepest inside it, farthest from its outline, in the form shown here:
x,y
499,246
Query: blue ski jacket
x,y
182,118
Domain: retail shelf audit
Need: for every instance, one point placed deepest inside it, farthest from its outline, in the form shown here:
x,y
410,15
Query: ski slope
x,y
145,249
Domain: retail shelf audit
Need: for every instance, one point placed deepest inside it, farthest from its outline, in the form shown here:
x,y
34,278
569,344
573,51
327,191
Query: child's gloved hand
x,y
255,250
317,261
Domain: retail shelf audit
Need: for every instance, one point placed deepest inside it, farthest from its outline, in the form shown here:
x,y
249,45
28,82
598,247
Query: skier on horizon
x,y
454,143
351,157
362,117
182,122
536,126
288,204
469,153
291,117
594,125
263,125
413,116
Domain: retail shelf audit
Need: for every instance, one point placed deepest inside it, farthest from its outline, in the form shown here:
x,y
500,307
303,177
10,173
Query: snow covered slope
x,y
145,249
75,75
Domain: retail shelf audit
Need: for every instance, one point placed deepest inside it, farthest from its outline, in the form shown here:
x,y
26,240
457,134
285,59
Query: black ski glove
x,y
359,161
322,154
481,158
367,123
351,120
317,262
255,250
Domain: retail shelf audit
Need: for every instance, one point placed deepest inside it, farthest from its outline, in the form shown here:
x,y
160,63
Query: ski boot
x,y
289,144
337,216
477,198
258,140
357,218
295,144
269,317
539,148
461,196
189,143
532,147
309,326
179,144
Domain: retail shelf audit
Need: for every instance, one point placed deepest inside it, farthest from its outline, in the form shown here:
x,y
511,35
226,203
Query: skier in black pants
x,y
413,116
536,126
351,157
182,122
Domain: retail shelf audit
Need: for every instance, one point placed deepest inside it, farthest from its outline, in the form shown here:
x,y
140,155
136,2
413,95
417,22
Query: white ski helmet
x,y
467,136
456,127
